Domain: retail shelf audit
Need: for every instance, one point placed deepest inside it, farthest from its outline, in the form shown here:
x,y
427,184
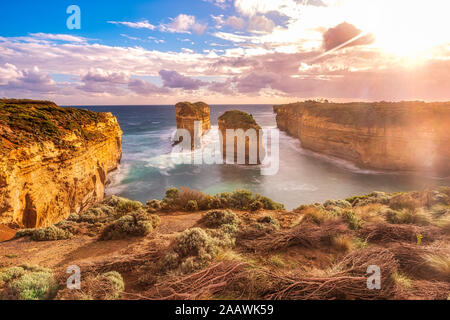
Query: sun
x,y
409,28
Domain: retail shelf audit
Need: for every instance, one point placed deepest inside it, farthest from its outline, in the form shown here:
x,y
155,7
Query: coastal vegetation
x,y
317,251
26,121
236,119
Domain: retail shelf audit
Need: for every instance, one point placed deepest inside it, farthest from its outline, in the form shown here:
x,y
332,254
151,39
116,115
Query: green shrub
x,y
256,205
353,220
154,204
217,218
24,233
172,194
408,216
270,221
191,206
374,197
208,202
343,204
114,281
241,199
225,199
137,224
27,283
269,204
194,242
73,217
51,233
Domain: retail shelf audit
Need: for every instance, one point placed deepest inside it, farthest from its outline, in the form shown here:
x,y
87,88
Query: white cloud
x,y
235,22
223,4
7,73
183,24
61,37
261,24
136,25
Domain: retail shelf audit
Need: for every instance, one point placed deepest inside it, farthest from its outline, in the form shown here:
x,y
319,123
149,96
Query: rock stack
x,y
188,113
251,132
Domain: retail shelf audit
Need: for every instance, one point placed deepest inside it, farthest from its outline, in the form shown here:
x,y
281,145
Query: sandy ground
x,y
87,250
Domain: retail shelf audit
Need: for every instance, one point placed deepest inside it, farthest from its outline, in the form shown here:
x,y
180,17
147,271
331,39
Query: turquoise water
x,y
147,171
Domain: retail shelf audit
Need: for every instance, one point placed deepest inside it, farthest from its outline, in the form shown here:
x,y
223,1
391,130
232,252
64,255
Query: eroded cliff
x,y
188,113
54,161
406,136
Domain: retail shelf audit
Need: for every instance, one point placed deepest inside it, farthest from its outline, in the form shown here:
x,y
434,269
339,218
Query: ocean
x,y
304,177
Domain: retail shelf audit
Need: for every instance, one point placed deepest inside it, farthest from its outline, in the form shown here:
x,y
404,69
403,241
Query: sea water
x,y
304,177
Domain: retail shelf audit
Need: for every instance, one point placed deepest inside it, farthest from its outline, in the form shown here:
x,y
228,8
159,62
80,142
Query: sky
x,y
225,51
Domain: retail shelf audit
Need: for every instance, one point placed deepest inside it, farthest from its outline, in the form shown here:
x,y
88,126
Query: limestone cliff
x,y
188,113
234,120
406,136
54,161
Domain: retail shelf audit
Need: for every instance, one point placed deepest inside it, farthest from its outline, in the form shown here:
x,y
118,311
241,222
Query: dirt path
x,y
86,250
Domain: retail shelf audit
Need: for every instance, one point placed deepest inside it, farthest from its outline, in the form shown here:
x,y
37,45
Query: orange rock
x,y
236,120
43,177
187,113
404,136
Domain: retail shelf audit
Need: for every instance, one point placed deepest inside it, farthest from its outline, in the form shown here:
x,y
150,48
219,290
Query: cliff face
x,y
407,136
187,113
234,120
54,161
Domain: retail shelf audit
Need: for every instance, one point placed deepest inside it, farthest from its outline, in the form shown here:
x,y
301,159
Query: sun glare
x,y
407,28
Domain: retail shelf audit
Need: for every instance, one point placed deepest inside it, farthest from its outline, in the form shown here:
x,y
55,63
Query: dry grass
x,y
346,280
383,233
440,264
305,235
342,243
372,213
202,284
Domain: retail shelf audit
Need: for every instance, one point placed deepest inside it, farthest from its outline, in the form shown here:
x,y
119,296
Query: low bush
x,y
343,204
269,204
240,199
195,247
408,216
217,218
154,204
256,205
353,220
27,283
316,214
268,220
192,205
51,233
137,224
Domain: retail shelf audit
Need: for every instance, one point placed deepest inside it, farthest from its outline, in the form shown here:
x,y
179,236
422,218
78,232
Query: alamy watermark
x,y
74,20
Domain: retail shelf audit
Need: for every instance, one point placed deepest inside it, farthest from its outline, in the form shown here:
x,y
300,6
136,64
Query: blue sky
x,y
50,17
225,51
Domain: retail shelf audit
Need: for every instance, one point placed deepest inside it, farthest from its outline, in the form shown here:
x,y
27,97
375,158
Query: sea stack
x,y
53,161
188,113
251,131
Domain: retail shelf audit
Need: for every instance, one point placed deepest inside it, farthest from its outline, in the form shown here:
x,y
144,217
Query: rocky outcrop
x,y
54,161
251,132
188,113
406,136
